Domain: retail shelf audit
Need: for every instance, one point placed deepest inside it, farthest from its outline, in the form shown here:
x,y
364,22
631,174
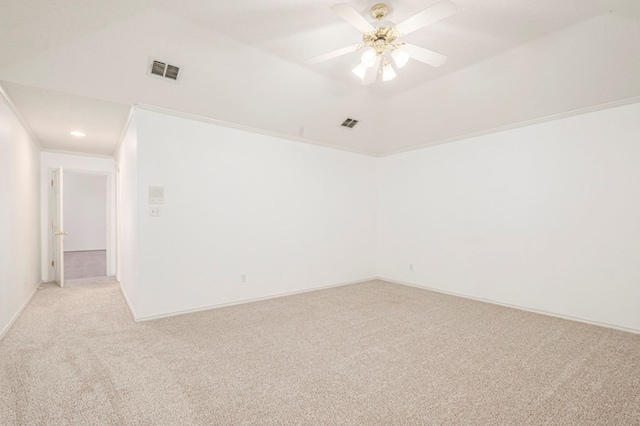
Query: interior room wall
x,y
543,217
104,166
19,215
85,211
127,201
246,215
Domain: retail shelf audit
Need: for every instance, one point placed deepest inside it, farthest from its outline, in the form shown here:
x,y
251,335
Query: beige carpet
x,y
368,354
85,264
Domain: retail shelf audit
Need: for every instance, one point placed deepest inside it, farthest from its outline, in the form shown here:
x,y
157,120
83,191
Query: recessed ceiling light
x,y
78,134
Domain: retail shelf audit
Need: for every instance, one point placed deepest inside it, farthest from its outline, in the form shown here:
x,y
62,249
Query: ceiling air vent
x,y
349,122
172,72
163,70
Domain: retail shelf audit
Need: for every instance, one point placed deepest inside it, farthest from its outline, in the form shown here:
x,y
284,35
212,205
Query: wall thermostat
x,y
156,194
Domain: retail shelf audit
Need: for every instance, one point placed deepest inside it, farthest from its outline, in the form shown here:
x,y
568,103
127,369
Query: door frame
x,y
112,267
56,222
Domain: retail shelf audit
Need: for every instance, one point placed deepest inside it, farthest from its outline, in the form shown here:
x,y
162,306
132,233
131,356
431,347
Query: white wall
x,y
127,201
19,215
85,212
102,166
289,216
545,217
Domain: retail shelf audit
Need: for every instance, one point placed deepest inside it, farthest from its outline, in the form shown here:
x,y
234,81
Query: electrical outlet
x,y
411,266
154,211
243,278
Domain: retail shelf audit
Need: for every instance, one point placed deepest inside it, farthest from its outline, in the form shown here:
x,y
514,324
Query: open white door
x,y
57,226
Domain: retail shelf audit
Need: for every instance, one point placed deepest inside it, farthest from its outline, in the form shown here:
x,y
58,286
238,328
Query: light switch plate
x,y
154,211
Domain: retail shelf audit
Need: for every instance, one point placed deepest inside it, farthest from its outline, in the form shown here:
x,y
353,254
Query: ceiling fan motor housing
x,y
380,38
384,33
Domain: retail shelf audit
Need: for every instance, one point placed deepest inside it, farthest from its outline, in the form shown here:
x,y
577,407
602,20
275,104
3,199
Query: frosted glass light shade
x,y
360,70
388,73
368,58
400,57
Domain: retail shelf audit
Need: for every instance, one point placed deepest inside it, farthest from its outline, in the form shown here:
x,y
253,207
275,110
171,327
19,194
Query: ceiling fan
x,y
383,52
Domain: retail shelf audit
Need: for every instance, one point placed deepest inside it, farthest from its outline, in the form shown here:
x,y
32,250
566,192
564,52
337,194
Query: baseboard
x,y
508,305
17,314
126,299
242,302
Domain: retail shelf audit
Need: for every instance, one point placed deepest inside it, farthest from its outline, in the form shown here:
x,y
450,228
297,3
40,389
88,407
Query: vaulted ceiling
x,y
78,64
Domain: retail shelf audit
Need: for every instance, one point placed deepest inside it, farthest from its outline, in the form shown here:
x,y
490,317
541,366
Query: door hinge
x,y
51,183
53,263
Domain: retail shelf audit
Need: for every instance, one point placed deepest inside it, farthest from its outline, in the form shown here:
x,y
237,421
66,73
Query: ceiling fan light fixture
x,y
368,58
400,57
383,54
360,71
387,72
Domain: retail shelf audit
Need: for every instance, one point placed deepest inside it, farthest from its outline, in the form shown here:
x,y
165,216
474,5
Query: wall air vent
x,y
349,122
161,69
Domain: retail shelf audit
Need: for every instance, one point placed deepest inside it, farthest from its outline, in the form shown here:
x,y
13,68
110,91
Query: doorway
x,y
85,225
55,169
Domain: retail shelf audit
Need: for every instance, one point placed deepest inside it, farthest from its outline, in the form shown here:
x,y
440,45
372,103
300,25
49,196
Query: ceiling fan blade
x,y
429,16
372,72
332,54
421,54
350,15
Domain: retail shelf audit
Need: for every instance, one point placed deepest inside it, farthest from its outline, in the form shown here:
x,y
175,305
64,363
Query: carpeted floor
x,y
85,264
370,354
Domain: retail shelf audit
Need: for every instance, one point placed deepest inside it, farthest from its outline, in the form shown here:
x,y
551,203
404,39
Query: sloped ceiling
x,y
77,63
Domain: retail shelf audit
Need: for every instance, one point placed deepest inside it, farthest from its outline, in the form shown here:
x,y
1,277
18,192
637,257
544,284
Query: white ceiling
x,y
76,63
53,115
